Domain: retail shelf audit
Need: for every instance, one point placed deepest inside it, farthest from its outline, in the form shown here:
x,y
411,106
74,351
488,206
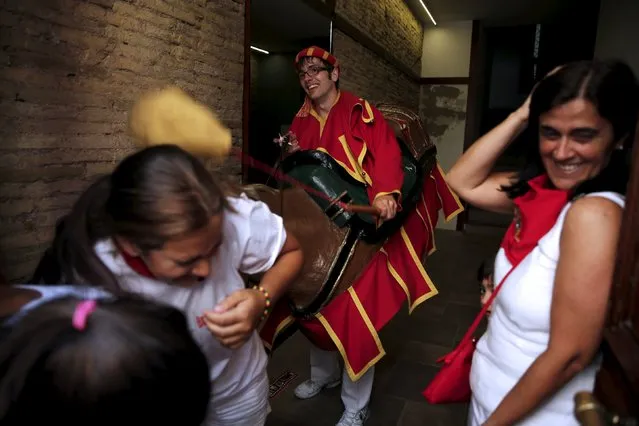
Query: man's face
x,y
315,78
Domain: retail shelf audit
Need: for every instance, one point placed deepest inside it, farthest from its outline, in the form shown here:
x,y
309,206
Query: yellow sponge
x,y
170,116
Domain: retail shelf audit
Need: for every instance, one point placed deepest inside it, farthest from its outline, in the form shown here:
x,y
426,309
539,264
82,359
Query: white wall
x,y
618,32
446,50
446,53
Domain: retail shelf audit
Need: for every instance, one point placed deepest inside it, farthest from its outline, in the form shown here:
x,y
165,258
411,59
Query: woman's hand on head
x,y
523,112
233,321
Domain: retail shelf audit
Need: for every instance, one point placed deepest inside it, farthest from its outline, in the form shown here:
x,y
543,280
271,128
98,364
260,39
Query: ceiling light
x,y
428,11
257,49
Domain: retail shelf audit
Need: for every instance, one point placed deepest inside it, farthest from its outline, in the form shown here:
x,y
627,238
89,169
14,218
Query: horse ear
x,y
170,116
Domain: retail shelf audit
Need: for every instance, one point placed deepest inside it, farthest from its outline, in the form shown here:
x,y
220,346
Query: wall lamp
x,y
257,49
428,11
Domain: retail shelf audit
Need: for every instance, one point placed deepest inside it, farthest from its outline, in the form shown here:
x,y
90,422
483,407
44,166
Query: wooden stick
x,y
359,208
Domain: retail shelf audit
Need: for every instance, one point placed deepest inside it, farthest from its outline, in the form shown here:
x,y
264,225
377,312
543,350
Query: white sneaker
x,y
354,418
310,388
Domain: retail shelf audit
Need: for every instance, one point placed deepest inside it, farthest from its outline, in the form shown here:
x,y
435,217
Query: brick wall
x,y
390,23
371,77
70,72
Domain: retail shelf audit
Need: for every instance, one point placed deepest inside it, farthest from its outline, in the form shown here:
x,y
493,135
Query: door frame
x,y
617,384
246,89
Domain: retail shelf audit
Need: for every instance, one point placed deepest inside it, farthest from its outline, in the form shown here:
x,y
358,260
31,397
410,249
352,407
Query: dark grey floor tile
x,y
469,296
422,414
432,308
463,315
438,332
386,410
423,353
408,380
323,410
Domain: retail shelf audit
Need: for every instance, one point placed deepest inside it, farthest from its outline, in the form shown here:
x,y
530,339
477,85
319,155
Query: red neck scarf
x,y
535,214
137,264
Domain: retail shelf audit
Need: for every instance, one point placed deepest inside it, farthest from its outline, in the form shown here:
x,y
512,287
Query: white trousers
x,y
325,367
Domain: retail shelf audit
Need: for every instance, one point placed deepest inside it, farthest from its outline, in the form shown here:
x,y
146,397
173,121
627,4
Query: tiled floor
x,y
412,345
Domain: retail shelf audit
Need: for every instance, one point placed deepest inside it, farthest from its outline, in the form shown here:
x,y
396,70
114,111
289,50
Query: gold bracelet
x,y
267,307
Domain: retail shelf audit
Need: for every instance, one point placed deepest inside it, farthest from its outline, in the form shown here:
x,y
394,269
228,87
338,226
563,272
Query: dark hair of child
x,y
126,362
485,269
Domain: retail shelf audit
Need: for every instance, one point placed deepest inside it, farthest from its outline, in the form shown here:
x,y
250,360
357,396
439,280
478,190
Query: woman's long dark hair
x,y
135,363
612,88
152,196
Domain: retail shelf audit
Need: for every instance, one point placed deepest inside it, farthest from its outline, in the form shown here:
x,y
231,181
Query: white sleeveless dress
x,y
518,332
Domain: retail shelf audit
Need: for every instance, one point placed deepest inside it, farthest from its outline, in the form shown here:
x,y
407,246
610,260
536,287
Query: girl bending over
x,y
160,226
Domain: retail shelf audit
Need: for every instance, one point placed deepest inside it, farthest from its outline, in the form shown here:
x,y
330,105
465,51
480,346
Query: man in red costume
x,y
358,138
347,128
355,134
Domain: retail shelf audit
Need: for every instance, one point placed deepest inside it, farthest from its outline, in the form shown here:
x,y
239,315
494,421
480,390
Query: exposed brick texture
x,y
371,77
70,72
390,23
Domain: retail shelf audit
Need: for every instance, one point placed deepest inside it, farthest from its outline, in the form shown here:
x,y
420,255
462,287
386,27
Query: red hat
x,y
317,52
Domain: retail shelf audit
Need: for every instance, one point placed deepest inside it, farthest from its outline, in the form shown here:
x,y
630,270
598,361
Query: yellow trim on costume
x,y
325,55
432,228
304,109
371,329
344,166
423,220
420,267
322,120
280,327
340,347
319,118
398,278
429,228
310,51
459,204
412,305
362,154
356,167
381,194
379,221
369,111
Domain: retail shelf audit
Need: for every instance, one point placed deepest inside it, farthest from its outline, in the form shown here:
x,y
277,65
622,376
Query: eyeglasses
x,y
311,72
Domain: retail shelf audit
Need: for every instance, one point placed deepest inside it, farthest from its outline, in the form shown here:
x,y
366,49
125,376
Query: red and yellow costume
x,y
357,137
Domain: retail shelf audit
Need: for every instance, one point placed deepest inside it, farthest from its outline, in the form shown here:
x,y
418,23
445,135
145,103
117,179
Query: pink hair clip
x,y
82,312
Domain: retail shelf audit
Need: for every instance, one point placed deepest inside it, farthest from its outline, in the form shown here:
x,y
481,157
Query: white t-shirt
x,y
252,240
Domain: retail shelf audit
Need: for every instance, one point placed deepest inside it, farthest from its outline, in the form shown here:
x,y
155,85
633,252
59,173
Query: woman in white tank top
x,y
542,342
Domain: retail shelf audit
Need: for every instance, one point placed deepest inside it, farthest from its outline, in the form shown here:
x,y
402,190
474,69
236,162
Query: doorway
x,y
279,30
513,59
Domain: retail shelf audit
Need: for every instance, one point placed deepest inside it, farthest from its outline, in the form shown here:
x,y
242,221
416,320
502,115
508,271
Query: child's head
x,y
120,361
485,270
164,206
160,204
